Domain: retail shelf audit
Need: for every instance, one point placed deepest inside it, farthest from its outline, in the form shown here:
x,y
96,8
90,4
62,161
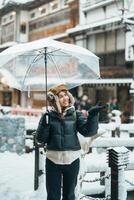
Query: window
x,y
23,28
11,17
43,11
49,21
32,15
33,26
110,59
4,20
54,5
7,98
65,1
7,34
120,58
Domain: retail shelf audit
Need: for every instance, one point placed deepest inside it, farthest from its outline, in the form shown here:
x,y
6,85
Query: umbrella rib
x,y
34,53
53,51
34,60
55,66
65,54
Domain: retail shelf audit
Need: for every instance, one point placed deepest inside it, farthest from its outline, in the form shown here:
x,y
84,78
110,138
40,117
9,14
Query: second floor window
x,y
4,20
7,34
54,5
43,11
23,28
32,15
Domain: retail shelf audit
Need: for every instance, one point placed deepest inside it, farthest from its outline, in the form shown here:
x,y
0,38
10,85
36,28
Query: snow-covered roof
x,y
9,5
3,3
83,27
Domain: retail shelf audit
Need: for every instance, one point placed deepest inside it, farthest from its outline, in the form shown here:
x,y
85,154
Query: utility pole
x,y
132,86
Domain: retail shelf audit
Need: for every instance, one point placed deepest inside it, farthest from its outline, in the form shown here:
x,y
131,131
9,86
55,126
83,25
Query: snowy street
x,y
67,99
16,177
17,180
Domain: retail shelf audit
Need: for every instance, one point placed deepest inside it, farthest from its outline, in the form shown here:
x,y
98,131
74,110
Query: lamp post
x,y
132,84
118,158
132,90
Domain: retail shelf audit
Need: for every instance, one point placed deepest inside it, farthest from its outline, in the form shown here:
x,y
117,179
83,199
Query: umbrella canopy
x,y
44,63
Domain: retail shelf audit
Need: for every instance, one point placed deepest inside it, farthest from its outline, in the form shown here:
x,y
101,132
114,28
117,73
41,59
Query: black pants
x,y
54,174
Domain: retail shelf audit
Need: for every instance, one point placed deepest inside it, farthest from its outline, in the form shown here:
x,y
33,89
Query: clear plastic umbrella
x,y
44,63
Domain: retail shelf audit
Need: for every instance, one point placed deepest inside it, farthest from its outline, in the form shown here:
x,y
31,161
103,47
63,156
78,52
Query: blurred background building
x,y
105,27
32,20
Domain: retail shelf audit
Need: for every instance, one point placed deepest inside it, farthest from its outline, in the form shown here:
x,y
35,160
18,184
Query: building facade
x,y
98,25
20,23
106,28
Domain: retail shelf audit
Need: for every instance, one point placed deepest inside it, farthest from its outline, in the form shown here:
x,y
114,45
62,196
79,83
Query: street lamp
x,y
132,92
132,84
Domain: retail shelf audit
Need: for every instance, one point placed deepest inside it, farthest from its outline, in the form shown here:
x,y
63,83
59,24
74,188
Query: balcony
x,y
92,4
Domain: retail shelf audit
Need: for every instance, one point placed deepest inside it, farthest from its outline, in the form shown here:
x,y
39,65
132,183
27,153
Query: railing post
x,y
118,160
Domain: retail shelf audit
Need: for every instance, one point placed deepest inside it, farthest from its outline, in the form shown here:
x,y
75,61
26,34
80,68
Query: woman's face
x,y
63,99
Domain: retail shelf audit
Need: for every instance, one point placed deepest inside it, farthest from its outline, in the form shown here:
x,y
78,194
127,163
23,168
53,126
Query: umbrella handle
x,y
47,118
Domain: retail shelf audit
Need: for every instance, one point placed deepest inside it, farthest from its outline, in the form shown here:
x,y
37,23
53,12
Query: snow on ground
x,y
16,177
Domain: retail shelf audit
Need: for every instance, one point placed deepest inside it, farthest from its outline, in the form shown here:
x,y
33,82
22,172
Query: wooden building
x,y
30,21
105,29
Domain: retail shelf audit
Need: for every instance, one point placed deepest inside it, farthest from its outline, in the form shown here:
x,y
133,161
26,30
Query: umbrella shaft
x,y
45,60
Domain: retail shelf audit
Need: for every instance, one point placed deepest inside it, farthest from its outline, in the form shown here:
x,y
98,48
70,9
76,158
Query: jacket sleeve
x,y
42,133
87,126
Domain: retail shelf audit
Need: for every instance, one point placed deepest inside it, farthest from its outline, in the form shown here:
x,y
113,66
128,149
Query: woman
x,y
58,129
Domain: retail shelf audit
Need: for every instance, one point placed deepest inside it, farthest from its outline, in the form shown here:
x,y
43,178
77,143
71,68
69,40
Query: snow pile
x,y
93,161
17,178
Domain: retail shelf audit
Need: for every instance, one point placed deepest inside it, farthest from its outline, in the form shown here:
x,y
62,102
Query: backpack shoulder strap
x,y
75,116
